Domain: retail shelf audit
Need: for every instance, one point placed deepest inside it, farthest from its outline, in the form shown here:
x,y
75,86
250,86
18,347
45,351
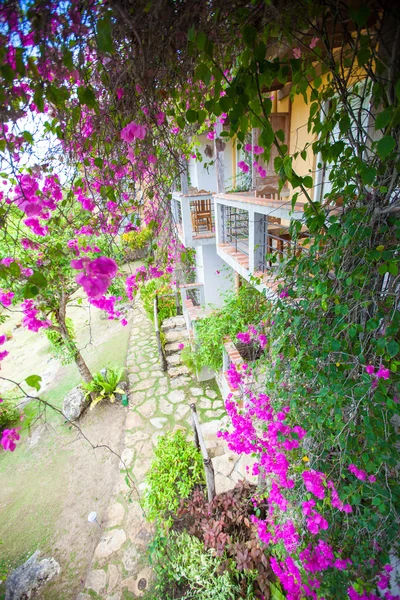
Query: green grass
x,y
32,479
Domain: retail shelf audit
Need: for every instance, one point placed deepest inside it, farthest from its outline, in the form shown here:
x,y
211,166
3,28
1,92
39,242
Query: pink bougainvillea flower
x,y
133,131
382,373
283,294
94,285
124,322
2,339
119,93
9,437
296,52
248,147
313,43
160,117
243,166
370,369
211,135
258,150
181,346
152,159
3,354
262,172
6,297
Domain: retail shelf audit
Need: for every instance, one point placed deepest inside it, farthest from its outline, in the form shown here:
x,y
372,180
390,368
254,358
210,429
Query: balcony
x,y
193,304
193,215
252,234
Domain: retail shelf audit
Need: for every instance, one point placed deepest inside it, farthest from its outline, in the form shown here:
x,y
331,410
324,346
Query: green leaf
x,y
30,291
28,137
308,181
99,162
191,35
38,279
104,36
393,348
385,146
249,34
34,381
383,119
191,115
201,40
86,96
203,73
276,593
39,100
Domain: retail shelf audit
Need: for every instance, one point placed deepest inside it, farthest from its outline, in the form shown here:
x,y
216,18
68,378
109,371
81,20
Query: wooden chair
x,y
201,215
269,192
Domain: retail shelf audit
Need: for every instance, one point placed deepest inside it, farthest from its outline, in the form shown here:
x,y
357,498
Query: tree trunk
x,y
60,316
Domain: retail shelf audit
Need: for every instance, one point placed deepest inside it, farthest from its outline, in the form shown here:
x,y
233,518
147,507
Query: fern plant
x,y
104,386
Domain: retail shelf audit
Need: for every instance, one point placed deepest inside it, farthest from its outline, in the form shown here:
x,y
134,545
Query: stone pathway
x,y
157,404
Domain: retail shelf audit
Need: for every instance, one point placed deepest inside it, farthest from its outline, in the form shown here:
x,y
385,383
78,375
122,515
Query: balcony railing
x,y
277,245
194,217
235,228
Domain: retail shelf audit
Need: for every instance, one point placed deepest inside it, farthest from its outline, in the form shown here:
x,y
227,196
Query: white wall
x,y
214,273
206,179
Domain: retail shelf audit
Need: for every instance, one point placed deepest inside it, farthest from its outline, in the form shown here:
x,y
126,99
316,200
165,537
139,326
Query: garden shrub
x,y
225,525
166,306
175,471
185,569
9,414
104,386
239,310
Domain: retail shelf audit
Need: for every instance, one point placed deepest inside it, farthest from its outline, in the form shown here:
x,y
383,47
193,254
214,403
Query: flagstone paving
x,y
157,404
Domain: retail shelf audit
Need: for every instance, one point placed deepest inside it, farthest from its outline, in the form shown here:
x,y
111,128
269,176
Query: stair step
x,y
180,370
171,348
173,323
174,359
176,336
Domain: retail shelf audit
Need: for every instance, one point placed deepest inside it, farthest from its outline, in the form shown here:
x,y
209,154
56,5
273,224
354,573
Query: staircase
x,y
175,333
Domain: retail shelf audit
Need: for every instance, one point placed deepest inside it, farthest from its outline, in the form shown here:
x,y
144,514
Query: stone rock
x,y
176,396
196,391
224,464
147,409
145,384
181,411
174,359
139,583
223,484
75,403
116,596
96,580
126,458
82,596
29,578
138,436
165,407
180,377
211,394
215,451
244,468
176,336
136,398
131,559
115,514
158,422
113,577
111,542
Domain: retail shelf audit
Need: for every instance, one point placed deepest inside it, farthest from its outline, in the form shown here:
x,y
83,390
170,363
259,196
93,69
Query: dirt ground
x,y
54,479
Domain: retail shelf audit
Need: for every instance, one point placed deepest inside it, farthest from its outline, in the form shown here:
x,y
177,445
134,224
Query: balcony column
x,y
252,240
202,296
218,222
187,230
259,240
184,179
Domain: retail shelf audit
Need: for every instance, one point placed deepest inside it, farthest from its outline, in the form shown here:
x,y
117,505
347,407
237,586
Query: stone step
x,y
171,348
174,359
180,370
176,336
173,323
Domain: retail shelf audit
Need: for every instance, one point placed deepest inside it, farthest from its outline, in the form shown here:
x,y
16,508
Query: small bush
x,y
104,386
175,471
9,413
185,569
137,240
166,306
